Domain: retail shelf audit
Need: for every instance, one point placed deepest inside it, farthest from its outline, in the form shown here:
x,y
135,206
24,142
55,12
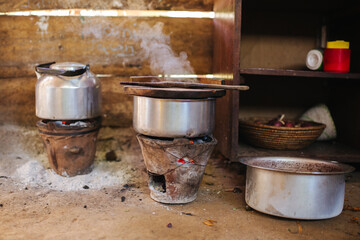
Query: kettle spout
x,y
38,75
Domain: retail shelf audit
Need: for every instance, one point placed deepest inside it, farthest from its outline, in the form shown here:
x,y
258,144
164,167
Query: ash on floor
x,y
23,159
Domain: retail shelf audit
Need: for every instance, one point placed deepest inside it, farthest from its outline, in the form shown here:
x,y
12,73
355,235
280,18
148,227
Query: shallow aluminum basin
x,y
298,188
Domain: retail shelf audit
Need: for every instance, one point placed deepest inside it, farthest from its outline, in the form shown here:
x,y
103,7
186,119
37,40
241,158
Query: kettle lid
x,y
69,69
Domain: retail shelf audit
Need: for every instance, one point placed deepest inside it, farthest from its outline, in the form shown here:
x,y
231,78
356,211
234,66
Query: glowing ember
x,y
185,160
181,160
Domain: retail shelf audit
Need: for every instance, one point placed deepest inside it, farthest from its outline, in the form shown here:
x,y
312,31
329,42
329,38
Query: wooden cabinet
x,y
270,41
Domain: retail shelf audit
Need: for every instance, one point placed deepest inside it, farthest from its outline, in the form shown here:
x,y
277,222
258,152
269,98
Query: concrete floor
x,y
128,212
39,213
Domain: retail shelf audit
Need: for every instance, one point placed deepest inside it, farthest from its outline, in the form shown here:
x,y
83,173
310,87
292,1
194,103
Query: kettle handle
x,y
45,68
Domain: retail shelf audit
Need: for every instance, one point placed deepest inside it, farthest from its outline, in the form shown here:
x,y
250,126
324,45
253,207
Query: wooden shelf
x,y
319,150
297,73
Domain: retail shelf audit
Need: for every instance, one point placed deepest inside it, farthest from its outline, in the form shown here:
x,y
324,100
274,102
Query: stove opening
x,y
203,139
161,138
200,139
157,182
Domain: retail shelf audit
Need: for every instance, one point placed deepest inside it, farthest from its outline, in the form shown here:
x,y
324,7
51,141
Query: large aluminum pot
x,y
298,188
67,91
172,118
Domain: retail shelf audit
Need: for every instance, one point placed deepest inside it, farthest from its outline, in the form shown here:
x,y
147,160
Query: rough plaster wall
x,y
271,51
277,39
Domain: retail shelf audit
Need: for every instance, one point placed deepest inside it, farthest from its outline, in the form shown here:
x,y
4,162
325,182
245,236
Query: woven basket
x,y
281,138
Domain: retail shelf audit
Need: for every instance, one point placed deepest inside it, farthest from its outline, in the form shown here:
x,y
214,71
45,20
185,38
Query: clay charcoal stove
x,y
70,145
68,100
175,166
174,128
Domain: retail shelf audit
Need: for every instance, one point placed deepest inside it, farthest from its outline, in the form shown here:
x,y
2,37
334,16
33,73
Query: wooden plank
x,y
212,81
110,45
226,62
185,85
298,73
173,93
17,100
199,79
22,5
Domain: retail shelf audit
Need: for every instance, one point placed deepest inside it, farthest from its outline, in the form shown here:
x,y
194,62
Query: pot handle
x,y
45,68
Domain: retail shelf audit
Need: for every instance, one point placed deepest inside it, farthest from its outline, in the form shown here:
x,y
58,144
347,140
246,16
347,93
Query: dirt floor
x,y
125,210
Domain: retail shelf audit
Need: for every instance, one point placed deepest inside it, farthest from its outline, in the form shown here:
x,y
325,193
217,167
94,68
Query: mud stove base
x,y
175,166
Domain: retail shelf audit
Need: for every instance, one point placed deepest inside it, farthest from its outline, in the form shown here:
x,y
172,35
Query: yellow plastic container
x,y
340,44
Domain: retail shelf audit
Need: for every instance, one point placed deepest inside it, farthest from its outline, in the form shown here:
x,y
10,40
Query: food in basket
x,y
280,121
279,132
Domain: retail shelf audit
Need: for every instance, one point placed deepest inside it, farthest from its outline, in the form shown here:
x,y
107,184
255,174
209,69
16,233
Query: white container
x,y
314,59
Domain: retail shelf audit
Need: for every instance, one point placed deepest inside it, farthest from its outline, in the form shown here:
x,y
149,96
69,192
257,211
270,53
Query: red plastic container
x,y
337,60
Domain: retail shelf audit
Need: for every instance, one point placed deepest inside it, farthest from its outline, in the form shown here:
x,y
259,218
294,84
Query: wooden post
x,y
226,62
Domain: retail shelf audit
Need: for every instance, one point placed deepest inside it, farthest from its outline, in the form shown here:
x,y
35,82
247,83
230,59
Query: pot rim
x,y
295,165
178,99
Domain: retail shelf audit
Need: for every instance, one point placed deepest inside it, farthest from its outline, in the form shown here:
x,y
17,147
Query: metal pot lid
x,y
297,165
174,93
69,69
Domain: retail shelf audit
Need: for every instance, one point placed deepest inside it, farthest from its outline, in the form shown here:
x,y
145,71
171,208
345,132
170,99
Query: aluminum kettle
x,y
67,91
